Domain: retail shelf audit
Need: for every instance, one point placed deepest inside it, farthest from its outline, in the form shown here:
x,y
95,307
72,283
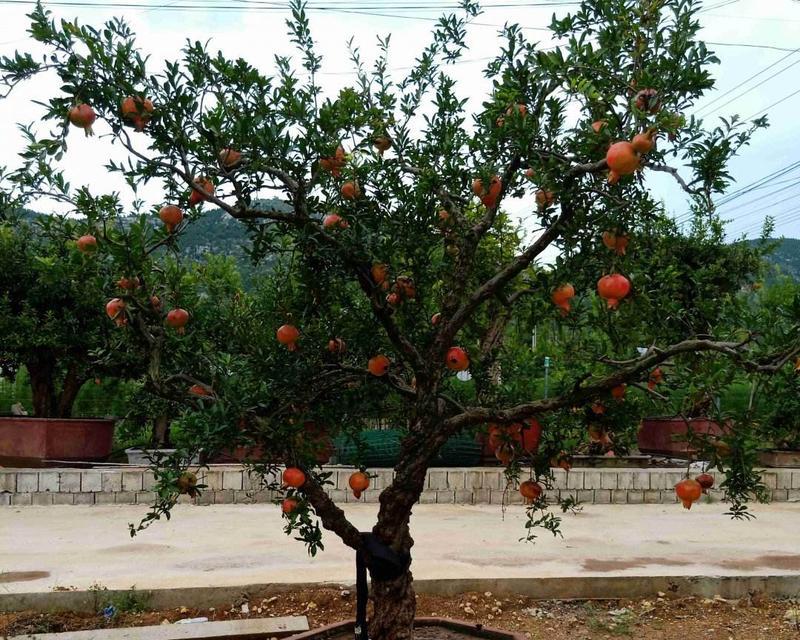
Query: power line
x,y
774,104
748,44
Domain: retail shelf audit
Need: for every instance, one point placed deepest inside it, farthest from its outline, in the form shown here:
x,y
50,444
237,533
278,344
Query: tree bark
x,y
69,392
42,389
394,605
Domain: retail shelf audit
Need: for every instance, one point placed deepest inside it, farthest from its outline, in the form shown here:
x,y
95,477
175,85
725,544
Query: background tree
x,y
394,194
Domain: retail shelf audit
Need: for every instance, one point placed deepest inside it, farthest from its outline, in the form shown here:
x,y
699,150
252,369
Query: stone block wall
x,y
472,485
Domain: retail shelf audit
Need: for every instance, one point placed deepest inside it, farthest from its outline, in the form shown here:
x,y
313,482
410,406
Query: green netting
x,y
382,449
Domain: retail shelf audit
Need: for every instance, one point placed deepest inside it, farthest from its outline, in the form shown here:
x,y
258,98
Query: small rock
x,y
165,621
618,612
488,594
272,599
259,609
475,598
311,605
344,593
469,611
792,616
184,610
245,608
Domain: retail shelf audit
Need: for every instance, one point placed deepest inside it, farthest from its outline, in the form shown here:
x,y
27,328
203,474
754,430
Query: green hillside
x,y
786,257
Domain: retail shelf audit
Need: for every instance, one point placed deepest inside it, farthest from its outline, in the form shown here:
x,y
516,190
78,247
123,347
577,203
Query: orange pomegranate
x,y
138,111
597,125
655,377
643,142
613,288
622,158
406,287
333,164
380,273
488,195
359,482
229,158
531,490
393,299
598,408
171,216
525,436
128,284
688,491
206,189
86,244
457,359
289,505
83,116
561,297
115,309
618,243
647,100
378,365
351,190
530,174
287,335
293,477
177,319
706,481
618,392
544,199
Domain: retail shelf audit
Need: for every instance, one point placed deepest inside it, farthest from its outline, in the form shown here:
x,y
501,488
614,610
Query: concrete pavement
x,y
47,548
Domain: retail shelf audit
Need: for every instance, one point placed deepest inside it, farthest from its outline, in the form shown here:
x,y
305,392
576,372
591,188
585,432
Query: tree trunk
x,y
69,393
42,390
161,433
393,608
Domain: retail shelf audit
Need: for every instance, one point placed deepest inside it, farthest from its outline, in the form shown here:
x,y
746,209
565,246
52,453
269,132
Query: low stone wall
x,y
482,485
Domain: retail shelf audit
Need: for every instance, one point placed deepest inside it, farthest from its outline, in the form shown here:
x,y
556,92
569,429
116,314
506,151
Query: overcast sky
x,y
255,30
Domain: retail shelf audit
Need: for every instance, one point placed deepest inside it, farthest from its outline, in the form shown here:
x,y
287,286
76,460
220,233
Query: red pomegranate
x,y
530,174
129,284
229,158
351,190
293,477
706,481
613,288
618,392
544,199
561,297
138,111
380,273
531,490
655,377
83,116
288,335
206,186
457,359
379,365
115,309
199,390
289,505
688,491
393,299
597,125
334,221
177,319
337,346
488,195
405,287
171,216
333,164
622,158
359,482
643,142
647,100
525,436
616,242
86,244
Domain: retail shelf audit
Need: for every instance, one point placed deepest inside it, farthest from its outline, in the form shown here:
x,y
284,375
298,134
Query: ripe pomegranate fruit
x,y
171,216
293,477
488,195
598,408
525,436
655,377
406,287
706,481
380,273
333,164
531,490
334,221
83,116
378,365
138,111
382,143
115,309
457,359
613,177
561,297
436,318
359,482
618,243
229,158
199,390
288,335
644,142
647,100
544,199
618,392
393,299
206,187
622,158
187,483
504,454
128,284
177,319
530,174
337,346
613,288
597,125
289,505
86,244
688,491
351,190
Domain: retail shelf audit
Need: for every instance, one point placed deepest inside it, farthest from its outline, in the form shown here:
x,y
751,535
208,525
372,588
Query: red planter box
x,y
26,441
666,436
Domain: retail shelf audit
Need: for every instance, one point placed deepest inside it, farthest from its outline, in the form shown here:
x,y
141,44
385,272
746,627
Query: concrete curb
x,y
570,588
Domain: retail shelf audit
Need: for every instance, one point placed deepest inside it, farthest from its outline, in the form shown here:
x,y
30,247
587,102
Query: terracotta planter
x,y
780,458
31,442
666,436
344,630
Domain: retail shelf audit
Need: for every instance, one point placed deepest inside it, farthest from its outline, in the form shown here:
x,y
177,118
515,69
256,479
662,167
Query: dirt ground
x,y
657,618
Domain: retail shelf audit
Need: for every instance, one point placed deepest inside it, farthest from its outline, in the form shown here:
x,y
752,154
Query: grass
x,y
600,622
